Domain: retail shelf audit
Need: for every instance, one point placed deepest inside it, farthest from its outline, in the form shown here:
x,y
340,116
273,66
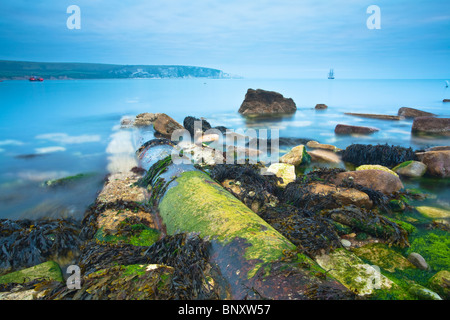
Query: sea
x,y
59,128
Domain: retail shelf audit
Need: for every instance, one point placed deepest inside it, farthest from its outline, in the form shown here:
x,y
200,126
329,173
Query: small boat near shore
x,y
331,74
36,79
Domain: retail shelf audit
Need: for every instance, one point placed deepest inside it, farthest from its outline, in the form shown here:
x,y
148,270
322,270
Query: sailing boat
x,y
331,74
446,83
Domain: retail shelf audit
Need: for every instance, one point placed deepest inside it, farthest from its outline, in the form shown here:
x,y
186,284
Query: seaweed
x,y
385,155
25,243
108,270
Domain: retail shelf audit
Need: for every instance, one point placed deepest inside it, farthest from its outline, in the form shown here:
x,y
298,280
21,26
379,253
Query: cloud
x,y
49,149
10,142
66,139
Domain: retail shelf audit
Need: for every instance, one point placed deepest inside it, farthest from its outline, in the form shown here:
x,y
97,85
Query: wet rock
x,y
375,167
431,126
324,156
316,145
321,106
202,155
437,162
417,260
378,180
383,256
347,129
261,102
165,125
189,125
342,196
413,169
345,243
440,283
374,116
413,113
145,119
296,156
432,212
284,171
423,293
353,273
47,271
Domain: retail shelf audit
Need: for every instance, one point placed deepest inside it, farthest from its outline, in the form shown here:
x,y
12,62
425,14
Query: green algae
x,y
141,236
198,204
46,271
434,247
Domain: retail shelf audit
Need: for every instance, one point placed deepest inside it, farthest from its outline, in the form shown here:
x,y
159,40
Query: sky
x,y
250,38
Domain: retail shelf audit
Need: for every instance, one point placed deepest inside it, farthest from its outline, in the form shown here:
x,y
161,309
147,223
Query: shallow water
x,y
56,128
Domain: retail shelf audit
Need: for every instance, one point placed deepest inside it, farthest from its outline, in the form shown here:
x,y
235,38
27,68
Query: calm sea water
x,y
60,128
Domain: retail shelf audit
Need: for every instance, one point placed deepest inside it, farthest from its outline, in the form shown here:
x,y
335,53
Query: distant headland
x,y
20,70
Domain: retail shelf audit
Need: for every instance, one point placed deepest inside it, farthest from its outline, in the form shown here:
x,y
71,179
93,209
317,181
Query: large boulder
x,y
413,113
165,125
437,162
431,125
379,180
261,102
347,129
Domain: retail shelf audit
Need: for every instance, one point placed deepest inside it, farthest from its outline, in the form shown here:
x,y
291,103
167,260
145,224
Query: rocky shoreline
x,y
326,224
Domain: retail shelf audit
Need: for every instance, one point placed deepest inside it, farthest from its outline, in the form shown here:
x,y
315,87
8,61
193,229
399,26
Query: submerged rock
x,y
413,113
437,162
378,180
261,102
347,129
434,213
296,156
374,116
321,106
413,169
431,125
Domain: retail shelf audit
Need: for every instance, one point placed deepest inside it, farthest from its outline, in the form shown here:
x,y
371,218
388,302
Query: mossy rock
x,y
66,180
376,167
440,283
433,212
141,236
405,225
46,271
423,293
353,272
381,255
434,248
413,169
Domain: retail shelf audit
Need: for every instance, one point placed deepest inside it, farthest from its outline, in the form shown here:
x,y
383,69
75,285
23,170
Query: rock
x,y
378,180
397,205
165,125
202,155
374,116
352,272
413,113
375,167
347,129
434,213
296,156
316,145
438,148
417,260
321,106
126,122
189,125
345,243
431,126
284,171
381,255
342,196
261,102
48,270
437,162
413,169
440,283
145,119
423,293
324,156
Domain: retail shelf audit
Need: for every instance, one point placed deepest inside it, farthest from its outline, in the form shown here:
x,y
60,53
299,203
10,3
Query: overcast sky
x,y
251,38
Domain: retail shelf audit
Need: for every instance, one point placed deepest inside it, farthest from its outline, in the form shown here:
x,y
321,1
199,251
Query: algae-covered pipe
x,y
250,253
